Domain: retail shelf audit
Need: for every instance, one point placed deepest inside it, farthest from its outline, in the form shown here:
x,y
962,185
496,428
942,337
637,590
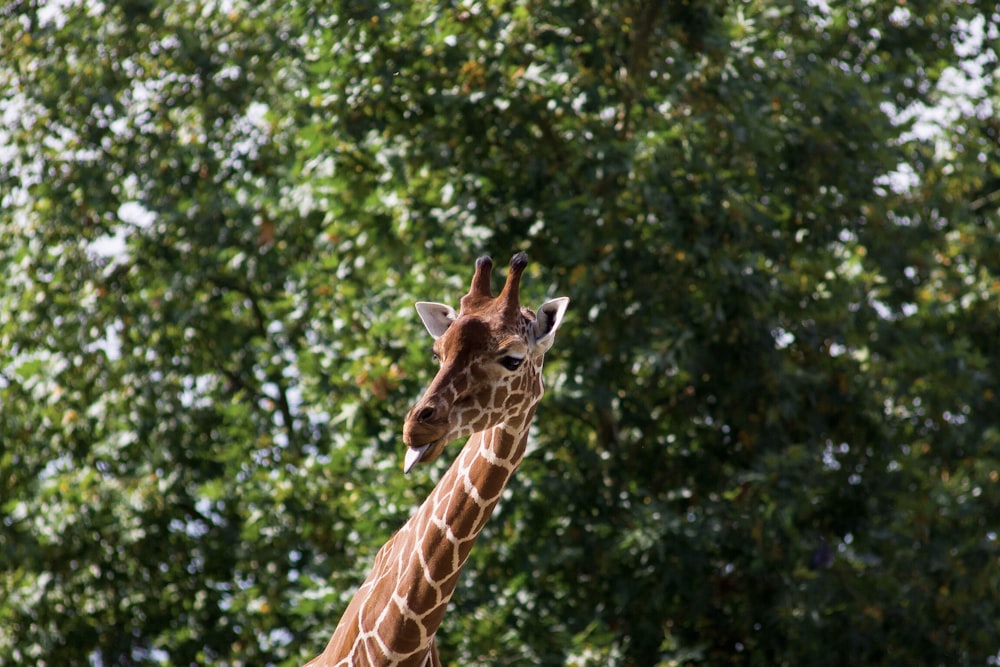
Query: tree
x,y
148,321
768,437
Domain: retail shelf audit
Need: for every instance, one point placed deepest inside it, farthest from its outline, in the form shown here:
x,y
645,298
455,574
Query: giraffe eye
x,y
436,357
511,363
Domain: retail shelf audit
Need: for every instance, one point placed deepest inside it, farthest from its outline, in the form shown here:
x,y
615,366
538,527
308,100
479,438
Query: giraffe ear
x,y
547,320
437,317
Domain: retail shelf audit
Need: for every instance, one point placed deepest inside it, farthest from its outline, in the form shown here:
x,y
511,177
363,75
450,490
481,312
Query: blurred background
x,y
771,430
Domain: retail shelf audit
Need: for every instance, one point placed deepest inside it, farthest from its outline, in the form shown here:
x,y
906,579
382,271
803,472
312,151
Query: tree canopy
x,y
770,435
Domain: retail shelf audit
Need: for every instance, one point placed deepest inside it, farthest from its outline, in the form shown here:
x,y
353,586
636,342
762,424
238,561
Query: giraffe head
x,y
490,355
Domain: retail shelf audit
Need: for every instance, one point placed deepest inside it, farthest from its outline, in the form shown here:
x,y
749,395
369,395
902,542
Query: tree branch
x,y
261,321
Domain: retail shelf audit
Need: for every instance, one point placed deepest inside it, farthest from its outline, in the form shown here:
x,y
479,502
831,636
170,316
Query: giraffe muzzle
x,y
422,436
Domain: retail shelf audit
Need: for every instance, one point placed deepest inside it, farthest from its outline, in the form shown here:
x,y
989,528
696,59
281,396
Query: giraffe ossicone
x,y
487,386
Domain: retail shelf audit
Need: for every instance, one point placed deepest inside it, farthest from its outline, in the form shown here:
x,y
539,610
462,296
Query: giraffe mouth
x,y
424,442
413,456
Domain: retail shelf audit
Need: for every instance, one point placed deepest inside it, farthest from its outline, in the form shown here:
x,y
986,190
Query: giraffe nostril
x,y
425,414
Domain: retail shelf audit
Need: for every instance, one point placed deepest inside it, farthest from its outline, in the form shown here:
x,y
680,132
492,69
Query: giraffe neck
x,y
396,612
448,523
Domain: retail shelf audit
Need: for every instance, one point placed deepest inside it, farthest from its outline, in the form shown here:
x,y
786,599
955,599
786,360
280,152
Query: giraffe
x,y
487,386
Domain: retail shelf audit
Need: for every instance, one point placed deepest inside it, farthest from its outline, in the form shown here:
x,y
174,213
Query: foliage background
x,y
770,436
